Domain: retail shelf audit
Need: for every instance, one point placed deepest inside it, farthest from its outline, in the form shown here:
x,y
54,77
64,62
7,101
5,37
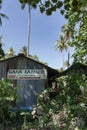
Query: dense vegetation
x,y
68,110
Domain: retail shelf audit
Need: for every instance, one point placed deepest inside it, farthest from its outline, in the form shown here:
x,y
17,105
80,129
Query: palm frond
x,y
0,21
0,6
0,1
23,5
3,15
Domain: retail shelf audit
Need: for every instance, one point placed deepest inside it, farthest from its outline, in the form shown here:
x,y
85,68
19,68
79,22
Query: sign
x,y
26,74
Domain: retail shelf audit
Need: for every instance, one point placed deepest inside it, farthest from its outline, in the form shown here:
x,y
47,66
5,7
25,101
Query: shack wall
x,y
27,90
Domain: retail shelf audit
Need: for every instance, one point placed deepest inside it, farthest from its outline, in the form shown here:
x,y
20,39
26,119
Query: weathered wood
x,y
27,90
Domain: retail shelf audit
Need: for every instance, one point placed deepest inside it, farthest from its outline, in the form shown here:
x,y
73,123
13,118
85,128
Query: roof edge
x,y
22,55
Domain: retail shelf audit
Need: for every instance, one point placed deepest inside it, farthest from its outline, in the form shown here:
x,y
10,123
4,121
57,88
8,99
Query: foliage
x,y
8,116
75,11
32,3
61,46
10,52
68,109
7,96
81,41
35,57
1,50
67,7
0,1
1,14
24,50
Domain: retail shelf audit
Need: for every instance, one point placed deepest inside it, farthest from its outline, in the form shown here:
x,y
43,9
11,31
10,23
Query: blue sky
x,y
44,32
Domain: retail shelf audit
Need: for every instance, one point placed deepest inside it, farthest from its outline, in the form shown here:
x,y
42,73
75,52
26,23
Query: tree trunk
x,y
69,56
63,60
29,21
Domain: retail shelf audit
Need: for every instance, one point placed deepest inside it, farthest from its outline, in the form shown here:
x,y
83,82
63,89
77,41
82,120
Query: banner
x,y
27,74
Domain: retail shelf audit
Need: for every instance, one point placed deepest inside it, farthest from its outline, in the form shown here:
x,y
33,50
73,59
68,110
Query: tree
x,y
2,54
10,52
80,42
68,33
31,4
67,7
35,57
24,50
61,45
66,64
2,16
75,11
0,1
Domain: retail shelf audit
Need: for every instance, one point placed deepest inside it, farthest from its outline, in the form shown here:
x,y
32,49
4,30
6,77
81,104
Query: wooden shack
x,y
29,76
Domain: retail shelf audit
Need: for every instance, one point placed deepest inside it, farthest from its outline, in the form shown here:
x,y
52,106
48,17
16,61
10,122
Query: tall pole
x,y
29,22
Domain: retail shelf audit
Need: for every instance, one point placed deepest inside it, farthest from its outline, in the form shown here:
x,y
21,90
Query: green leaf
x,y
23,5
0,1
42,9
59,4
54,1
47,3
48,12
62,11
